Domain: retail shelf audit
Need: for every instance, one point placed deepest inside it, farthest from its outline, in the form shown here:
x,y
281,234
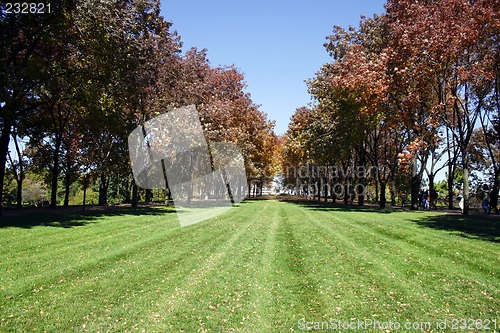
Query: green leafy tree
x,y
23,39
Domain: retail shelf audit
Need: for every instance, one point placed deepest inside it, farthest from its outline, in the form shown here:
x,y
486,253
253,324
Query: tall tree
x,y
22,41
18,167
437,45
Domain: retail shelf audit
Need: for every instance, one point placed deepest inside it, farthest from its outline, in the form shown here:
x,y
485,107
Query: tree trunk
x,y
84,191
103,190
318,187
4,148
169,196
325,194
19,176
128,193
332,191
414,185
451,167
382,194
393,193
118,188
346,192
361,188
361,194
55,172
19,194
189,193
494,192
67,183
451,175
149,195
20,188
432,199
361,174
466,192
135,194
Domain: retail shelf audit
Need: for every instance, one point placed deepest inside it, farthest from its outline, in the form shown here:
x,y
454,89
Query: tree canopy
x,y
402,89
76,81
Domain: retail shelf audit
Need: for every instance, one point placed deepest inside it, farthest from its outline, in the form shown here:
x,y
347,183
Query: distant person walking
x,y
424,200
461,202
486,200
421,199
403,199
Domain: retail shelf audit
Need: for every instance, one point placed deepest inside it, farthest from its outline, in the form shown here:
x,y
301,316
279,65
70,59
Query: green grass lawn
x,y
266,266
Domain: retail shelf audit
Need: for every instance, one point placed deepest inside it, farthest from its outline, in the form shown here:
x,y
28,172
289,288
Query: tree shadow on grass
x,y
340,207
476,227
64,218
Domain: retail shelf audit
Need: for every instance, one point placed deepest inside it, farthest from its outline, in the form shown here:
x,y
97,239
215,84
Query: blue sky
x,y
277,44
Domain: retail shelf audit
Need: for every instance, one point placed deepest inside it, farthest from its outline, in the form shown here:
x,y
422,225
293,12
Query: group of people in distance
x,y
425,199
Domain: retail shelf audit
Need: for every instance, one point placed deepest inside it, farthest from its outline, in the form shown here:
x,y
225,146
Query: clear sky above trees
x,y
277,44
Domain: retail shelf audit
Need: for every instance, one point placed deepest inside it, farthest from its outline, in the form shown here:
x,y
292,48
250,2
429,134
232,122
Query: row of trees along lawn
x,y
77,80
408,93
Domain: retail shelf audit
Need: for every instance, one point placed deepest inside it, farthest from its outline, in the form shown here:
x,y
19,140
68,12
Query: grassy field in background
x,y
265,266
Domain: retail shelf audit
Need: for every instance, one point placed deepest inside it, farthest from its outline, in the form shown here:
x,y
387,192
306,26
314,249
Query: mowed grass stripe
x,y
163,268
433,242
257,268
112,226
403,270
183,301
259,287
247,292
331,263
376,279
479,254
131,259
222,291
435,251
472,258
79,253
